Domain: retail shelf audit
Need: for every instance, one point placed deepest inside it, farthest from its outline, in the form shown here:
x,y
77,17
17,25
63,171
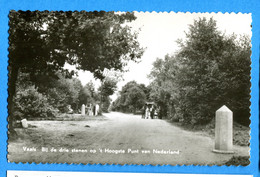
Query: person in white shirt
x,y
97,110
147,113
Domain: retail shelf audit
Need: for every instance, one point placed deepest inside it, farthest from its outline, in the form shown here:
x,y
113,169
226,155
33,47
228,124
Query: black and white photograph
x,y
105,87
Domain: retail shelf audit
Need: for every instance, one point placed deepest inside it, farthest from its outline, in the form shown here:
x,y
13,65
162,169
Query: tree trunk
x,y
13,75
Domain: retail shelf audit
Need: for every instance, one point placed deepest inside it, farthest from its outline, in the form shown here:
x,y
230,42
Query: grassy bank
x,y
68,117
241,134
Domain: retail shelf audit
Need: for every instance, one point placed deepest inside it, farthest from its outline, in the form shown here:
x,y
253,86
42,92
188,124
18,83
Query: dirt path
x,y
150,142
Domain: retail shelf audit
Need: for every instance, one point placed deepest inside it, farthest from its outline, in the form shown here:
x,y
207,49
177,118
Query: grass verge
x,y
241,134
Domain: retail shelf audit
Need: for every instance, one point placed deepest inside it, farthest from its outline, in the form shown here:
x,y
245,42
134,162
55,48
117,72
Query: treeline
x,y
132,98
210,70
48,96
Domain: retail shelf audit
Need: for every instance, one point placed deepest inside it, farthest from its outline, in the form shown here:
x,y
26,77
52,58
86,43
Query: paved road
x,y
124,138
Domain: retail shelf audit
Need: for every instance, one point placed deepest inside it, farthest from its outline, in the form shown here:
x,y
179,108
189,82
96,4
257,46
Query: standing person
x,y
87,108
156,113
152,112
90,112
94,110
143,112
147,113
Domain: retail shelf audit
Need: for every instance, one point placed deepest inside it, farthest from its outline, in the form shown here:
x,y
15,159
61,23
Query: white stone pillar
x,y
97,110
83,110
24,123
224,130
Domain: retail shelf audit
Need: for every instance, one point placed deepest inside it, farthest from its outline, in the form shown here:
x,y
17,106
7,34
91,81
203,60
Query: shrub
x,y
238,160
30,103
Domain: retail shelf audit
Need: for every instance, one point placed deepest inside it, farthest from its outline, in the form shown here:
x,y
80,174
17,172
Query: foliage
x,y
106,101
163,88
30,103
209,70
42,42
45,41
60,92
88,94
238,160
108,87
132,98
64,92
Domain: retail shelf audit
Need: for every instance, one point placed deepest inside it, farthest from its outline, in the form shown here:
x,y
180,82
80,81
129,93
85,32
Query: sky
x,y
158,34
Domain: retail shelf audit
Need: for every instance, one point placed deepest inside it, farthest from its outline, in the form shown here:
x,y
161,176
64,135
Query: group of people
x,y
92,110
150,112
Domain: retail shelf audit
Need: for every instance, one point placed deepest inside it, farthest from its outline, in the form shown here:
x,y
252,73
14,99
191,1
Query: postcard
x,y
145,88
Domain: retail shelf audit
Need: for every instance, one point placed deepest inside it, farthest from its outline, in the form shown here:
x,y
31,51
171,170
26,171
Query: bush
x,y
238,160
30,103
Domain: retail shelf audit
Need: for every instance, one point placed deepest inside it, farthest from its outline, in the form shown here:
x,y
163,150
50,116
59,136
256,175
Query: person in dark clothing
x,y
94,109
152,112
143,112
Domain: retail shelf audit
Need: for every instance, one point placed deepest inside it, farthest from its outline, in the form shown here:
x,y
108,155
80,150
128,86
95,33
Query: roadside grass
x,y
234,161
22,133
64,128
241,137
241,134
238,160
69,117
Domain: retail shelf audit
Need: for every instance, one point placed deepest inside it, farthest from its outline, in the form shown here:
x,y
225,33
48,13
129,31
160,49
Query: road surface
x,y
116,139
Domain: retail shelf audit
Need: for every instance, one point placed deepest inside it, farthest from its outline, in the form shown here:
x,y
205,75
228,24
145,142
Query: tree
x,y
147,91
63,92
213,67
42,42
107,88
210,69
60,92
135,98
85,96
31,103
132,98
164,89
88,94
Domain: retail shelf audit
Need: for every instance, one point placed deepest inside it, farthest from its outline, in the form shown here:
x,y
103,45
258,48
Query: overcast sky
x,y
159,32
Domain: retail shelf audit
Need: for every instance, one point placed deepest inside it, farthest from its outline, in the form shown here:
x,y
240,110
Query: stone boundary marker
x,y
83,110
224,131
24,123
